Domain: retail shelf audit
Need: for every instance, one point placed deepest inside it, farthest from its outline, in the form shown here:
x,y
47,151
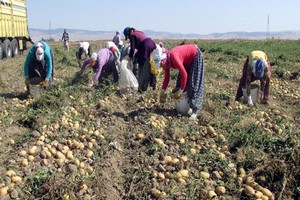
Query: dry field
x,y
75,142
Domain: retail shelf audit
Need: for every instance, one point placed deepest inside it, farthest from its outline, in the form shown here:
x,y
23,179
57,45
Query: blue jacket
x,y
31,56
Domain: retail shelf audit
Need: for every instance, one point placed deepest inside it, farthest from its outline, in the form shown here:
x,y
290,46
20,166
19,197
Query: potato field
x,y
76,142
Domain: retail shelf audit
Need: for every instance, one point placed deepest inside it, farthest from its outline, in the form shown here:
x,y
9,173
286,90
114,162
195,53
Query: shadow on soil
x,y
20,96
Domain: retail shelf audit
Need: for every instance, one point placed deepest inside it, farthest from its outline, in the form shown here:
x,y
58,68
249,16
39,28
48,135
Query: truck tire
x,y
144,76
14,47
6,49
1,50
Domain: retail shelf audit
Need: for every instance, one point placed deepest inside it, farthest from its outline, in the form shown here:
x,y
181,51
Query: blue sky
x,y
176,16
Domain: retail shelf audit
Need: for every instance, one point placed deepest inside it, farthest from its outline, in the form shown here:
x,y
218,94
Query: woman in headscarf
x,y
103,64
39,65
188,60
144,46
256,67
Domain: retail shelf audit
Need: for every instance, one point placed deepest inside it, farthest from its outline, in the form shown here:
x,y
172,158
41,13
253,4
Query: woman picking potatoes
x,y
188,60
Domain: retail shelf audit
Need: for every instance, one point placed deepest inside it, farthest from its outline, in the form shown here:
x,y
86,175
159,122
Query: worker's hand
x,y
250,102
177,94
261,95
27,81
162,96
44,83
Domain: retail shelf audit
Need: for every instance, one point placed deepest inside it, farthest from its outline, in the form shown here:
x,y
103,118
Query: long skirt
x,y
195,82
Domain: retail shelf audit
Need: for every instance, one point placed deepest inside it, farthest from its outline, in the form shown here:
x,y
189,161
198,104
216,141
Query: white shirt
x,y
85,46
112,44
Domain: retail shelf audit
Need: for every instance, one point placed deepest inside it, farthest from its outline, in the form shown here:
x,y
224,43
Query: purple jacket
x,y
143,44
105,57
117,39
136,39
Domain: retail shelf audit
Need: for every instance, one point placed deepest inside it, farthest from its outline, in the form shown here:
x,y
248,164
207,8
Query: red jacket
x,y
181,57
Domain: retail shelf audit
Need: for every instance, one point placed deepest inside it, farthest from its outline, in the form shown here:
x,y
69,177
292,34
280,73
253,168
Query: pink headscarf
x,y
166,62
161,44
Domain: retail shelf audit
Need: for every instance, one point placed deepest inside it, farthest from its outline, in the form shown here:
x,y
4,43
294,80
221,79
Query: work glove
x,y
250,102
162,96
177,94
27,81
44,83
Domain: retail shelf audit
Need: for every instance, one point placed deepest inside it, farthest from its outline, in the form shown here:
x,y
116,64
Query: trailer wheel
x,y
1,50
6,49
14,47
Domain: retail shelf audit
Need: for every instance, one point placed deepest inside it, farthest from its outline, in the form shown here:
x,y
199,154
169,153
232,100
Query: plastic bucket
x,y
182,104
254,93
35,90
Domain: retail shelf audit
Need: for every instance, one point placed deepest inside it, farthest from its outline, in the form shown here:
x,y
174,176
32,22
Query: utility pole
x,y
268,28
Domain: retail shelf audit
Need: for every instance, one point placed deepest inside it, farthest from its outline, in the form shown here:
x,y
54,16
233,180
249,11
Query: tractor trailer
x,y
13,28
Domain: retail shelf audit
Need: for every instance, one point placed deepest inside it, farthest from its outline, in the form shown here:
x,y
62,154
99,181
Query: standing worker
x,y
65,38
103,65
39,65
144,46
118,40
189,61
256,67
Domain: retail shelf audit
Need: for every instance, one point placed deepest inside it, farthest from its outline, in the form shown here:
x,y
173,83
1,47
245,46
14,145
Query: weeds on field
x,y
37,180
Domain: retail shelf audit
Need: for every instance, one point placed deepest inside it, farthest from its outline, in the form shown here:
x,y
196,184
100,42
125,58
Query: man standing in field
x,y
65,38
39,65
256,67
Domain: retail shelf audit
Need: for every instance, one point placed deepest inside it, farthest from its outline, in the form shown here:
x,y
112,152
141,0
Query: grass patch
x,y
36,182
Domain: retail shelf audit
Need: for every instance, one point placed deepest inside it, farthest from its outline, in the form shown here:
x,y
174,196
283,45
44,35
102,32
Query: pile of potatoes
x,y
71,153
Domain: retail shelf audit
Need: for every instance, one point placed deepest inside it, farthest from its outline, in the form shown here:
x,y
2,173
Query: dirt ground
x,y
75,142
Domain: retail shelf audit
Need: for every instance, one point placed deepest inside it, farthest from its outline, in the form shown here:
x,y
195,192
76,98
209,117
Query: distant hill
x,y
77,35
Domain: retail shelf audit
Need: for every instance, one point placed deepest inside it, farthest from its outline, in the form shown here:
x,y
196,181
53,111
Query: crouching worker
x,y
39,66
84,48
256,67
103,65
189,61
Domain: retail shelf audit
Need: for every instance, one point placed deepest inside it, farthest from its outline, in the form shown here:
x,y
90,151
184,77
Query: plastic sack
x,y
127,80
